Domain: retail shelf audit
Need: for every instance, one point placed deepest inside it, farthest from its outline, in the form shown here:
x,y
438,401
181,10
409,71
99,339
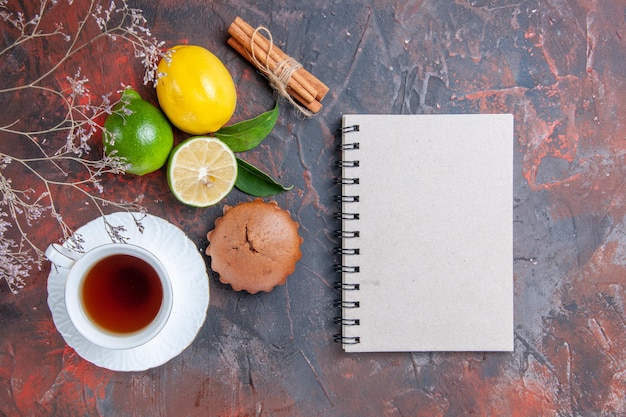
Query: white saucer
x,y
190,283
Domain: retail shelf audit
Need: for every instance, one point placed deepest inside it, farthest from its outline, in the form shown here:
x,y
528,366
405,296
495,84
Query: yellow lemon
x,y
201,171
195,90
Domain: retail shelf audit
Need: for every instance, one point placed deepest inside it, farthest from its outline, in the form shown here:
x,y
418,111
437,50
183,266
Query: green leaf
x,y
253,181
246,135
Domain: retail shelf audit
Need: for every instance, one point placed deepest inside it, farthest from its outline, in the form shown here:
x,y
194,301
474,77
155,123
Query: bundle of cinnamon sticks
x,y
266,56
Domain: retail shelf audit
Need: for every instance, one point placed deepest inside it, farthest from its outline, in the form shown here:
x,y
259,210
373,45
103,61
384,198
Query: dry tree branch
x,y
58,156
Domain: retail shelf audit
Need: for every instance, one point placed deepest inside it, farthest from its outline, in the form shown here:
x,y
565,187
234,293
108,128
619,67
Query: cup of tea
x,y
117,295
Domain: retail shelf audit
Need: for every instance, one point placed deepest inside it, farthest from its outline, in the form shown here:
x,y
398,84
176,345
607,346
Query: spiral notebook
x,y
426,259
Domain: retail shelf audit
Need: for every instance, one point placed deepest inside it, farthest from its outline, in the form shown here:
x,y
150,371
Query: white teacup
x,y
118,295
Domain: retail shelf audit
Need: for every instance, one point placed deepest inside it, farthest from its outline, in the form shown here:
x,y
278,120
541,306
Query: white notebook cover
x,y
435,233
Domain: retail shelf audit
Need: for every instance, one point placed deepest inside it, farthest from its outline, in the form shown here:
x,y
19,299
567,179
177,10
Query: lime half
x,y
201,171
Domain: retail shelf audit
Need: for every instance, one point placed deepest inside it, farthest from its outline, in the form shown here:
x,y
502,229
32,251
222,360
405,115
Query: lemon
x,y
201,171
195,90
139,133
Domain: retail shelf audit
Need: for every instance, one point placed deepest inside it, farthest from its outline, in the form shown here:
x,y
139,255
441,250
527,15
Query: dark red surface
x,y
558,66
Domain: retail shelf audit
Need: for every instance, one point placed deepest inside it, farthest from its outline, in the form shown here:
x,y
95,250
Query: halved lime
x,y
201,171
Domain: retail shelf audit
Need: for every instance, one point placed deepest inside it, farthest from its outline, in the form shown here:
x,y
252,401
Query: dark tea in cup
x,y
117,295
122,293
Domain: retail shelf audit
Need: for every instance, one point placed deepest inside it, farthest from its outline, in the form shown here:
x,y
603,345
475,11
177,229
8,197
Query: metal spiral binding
x,y
347,234
347,304
347,340
347,216
347,322
347,251
347,198
346,181
347,287
348,164
347,269
348,129
348,146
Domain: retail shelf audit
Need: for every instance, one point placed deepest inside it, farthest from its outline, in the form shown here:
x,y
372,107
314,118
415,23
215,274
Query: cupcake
x,y
254,246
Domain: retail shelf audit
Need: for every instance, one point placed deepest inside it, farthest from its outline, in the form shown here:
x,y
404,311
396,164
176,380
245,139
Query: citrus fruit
x,y
195,90
139,133
201,171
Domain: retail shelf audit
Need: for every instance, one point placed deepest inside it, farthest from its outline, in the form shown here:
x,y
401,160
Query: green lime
x,y
139,133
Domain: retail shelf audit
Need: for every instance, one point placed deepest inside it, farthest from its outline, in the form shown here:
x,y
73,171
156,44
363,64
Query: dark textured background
x,y
559,66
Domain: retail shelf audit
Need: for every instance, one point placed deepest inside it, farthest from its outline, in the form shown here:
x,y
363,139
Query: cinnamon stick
x,y
276,54
314,105
272,60
302,85
308,78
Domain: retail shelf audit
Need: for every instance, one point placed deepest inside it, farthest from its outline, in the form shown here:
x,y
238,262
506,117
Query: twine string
x,y
279,78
